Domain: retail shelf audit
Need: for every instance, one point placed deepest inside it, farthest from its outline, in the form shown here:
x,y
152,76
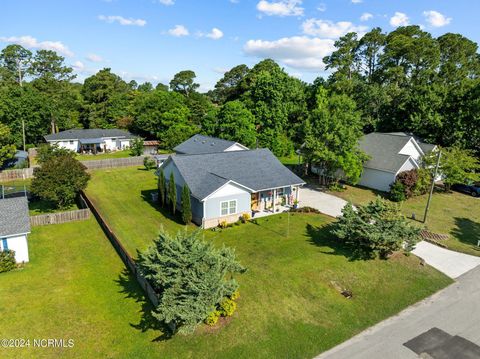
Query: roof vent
x,y
203,141
212,144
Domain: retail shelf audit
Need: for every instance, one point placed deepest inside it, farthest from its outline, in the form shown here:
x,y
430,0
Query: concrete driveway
x,y
451,263
454,310
325,203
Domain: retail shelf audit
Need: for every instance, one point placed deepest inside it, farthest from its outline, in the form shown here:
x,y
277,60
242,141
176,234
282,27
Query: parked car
x,y
471,189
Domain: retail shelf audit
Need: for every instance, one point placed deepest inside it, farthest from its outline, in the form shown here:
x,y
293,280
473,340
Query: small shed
x,y
15,227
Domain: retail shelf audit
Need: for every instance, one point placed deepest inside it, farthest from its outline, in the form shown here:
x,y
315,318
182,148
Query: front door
x,y
254,201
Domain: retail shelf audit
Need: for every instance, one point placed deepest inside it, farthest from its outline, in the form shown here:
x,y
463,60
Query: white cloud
x,y
32,43
122,20
166,2
280,7
178,31
329,29
94,58
436,19
366,16
299,52
399,19
215,34
357,1
78,66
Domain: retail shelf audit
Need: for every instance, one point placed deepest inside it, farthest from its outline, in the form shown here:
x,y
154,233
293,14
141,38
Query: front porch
x,y
275,200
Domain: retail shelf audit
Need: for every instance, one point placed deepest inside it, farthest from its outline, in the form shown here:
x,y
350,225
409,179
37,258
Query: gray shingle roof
x,y
200,144
384,148
14,217
254,169
87,134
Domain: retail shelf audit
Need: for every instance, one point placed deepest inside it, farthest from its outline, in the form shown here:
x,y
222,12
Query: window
x,y
71,142
228,207
4,244
280,192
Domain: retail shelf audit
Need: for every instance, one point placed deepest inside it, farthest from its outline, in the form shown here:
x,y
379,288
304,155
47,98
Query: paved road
x,y
455,310
453,264
325,203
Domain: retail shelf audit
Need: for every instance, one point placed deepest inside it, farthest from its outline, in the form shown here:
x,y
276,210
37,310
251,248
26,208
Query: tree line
x,y
405,80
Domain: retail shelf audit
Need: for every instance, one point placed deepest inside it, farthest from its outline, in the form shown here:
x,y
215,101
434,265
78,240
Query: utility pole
x,y
432,186
23,133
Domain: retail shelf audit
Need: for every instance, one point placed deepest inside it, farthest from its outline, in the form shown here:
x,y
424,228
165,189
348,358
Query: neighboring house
x,y
15,227
390,154
200,144
226,185
91,140
19,160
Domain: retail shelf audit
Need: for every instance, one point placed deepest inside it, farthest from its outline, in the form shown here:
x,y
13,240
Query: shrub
x,y
186,205
397,192
245,217
305,209
136,146
235,295
162,188
223,224
409,180
227,307
172,192
375,230
60,179
212,318
149,163
423,182
190,275
7,260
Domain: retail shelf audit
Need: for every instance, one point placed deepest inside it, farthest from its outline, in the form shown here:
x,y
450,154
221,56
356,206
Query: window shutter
x,y
4,244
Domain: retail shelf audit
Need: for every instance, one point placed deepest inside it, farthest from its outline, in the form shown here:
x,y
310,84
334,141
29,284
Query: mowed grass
x,y
72,288
290,305
103,156
455,214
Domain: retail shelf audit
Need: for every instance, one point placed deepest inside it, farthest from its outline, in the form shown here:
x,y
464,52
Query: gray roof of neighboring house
x,y
255,169
200,144
383,150
78,134
14,217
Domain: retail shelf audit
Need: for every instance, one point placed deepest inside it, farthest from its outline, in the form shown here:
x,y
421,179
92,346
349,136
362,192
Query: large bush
x,y
59,179
397,192
375,230
409,180
191,276
7,260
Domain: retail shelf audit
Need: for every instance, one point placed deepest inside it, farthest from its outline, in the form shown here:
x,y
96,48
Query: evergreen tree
x,y
189,276
186,206
172,193
162,188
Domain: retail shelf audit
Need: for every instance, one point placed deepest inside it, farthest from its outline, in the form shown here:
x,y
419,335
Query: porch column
x,y
274,199
297,194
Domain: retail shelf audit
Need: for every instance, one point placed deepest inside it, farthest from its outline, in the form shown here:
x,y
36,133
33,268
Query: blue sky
x,y
151,40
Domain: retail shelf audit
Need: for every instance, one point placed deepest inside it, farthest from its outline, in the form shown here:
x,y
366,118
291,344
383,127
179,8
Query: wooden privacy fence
x,y
113,162
10,175
122,252
60,217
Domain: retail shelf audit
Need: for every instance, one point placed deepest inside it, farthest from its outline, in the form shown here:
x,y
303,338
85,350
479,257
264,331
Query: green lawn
x,y
103,156
455,214
288,306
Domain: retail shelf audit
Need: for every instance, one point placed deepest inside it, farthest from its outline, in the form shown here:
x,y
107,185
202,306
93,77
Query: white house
x,y
91,140
226,180
390,154
15,227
